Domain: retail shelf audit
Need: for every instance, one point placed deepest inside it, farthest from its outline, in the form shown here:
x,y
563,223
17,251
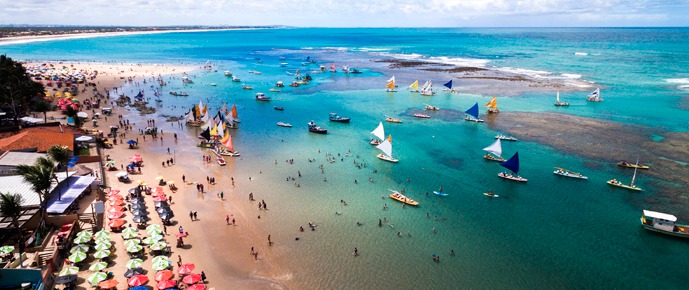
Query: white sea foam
x,y
457,61
683,83
581,53
528,72
571,76
371,49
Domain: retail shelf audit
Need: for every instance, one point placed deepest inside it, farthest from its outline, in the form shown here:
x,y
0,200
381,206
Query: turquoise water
x,y
548,233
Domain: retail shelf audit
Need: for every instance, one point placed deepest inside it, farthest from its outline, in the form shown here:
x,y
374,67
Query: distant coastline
x,y
18,35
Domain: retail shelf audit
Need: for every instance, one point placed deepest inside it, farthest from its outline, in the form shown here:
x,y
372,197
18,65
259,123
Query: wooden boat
x,y
280,84
632,165
472,114
663,223
594,96
390,86
228,73
558,103
262,97
568,173
422,116
396,195
392,120
493,106
274,90
221,161
431,108
490,194
379,132
282,124
278,108
631,186
315,129
494,152
229,147
236,79
386,148
335,118
513,165
246,87
505,137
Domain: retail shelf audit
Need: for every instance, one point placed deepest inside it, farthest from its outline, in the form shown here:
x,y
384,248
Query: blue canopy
x,y
131,142
512,163
473,111
448,84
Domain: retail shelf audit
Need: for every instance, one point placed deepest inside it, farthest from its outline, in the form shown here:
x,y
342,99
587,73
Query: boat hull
x,y
622,185
570,175
493,158
318,131
469,119
391,120
620,164
512,177
340,120
403,199
382,156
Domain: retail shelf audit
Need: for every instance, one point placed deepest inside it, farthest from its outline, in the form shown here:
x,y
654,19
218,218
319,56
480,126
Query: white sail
x,y
392,79
379,131
558,96
190,116
201,108
426,85
494,148
386,147
221,130
633,177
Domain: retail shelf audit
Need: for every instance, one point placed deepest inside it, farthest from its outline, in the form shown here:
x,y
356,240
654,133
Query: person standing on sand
x,y
227,219
184,178
191,215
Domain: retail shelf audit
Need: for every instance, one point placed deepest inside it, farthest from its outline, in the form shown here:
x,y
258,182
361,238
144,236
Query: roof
x,y
17,158
64,195
660,215
16,184
41,140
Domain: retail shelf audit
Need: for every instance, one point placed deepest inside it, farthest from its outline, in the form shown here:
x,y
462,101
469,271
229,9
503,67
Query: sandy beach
x,y
222,251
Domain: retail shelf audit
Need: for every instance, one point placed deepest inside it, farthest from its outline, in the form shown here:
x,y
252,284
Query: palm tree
x,y
40,176
11,206
60,154
42,107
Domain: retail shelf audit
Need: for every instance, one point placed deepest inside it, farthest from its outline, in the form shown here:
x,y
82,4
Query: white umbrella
x,y
121,174
84,139
82,115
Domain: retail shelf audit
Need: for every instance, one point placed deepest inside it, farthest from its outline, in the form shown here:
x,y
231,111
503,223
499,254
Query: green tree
x,y
72,113
60,154
11,206
16,88
42,107
40,176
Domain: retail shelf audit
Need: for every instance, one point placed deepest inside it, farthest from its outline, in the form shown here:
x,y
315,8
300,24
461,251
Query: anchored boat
x,y
568,173
496,150
513,165
663,223
396,195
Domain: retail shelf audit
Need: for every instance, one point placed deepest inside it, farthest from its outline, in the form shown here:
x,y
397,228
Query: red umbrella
x,y
116,223
116,202
108,284
197,287
181,235
192,278
137,280
115,197
161,197
166,284
115,209
164,275
186,268
115,215
114,191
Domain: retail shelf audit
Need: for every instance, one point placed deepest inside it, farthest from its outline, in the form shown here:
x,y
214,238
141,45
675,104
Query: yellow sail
x,y
390,138
197,111
493,104
415,85
226,138
214,131
390,85
205,109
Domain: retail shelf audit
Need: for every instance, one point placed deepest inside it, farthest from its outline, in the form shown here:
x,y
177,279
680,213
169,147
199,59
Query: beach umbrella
x,y
103,240
164,275
117,202
115,209
101,254
191,278
137,280
134,263
186,269
115,197
133,271
98,266
140,202
102,247
164,284
77,257
153,231
4,250
158,246
85,233
180,235
102,234
138,206
151,240
111,163
160,266
133,189
170,182
107,284
139,181
142,288
197,287
163,203
66,279
131,142
160,198
81,240
162,210
157,259
79,248
132,242
132,232
116,223
134,248
69,271
139,219
159,177
167,216
153,227
97,277
121,173
115,215
114,191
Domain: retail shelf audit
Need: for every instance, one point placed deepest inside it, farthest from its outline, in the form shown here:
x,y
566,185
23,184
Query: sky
x,y
347,13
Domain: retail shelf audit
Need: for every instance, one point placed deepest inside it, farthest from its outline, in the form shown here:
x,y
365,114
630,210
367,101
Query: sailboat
x,y
234,114
513,165
414,87
427,89
227,142
493,106
472,114
386,147
594,96
495,149
390,87
379,132
448,87
631,186
558,103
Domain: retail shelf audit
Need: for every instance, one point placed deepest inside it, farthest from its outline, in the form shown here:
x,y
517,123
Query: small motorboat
x,y
221,161
278,108
392,120
213,84
236,79
246,87
423,116
505,137
262,97
283,124
275,90
280,84
335,118
316,129
432,108
228,73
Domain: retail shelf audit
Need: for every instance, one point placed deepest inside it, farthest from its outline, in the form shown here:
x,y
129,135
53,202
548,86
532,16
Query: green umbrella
x,y
69,271
77,257
134,248
85,233
134,263
129,233
150,240
97,277
102,234
6,249
101,254
158,246
79,248
157,259
153,227
160,266
101,247
104,242
82,240
98,266
128,243
153,231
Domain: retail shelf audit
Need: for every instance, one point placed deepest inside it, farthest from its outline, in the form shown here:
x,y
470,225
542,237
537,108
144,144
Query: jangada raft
x,y
396,195
513,165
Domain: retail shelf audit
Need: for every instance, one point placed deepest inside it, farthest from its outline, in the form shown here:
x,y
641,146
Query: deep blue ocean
x,y
551,233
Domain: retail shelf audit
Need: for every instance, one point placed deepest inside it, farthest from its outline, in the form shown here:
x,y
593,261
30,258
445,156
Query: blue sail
x,y
512,163
473,111
448,84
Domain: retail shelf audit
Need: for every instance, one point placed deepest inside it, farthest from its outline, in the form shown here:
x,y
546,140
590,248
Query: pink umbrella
x,y
137,280
192,278
197,287
186,268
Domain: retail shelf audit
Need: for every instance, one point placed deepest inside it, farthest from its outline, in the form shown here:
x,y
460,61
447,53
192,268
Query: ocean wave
x,y
571,76
371,49
683,83
581,53
528,72
457,61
